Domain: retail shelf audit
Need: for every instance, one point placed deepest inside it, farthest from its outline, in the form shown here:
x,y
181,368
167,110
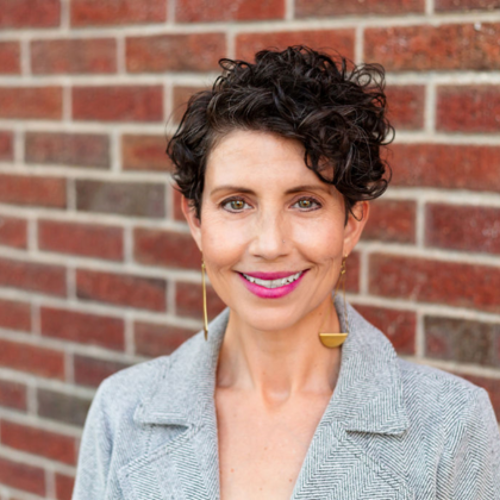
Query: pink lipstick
x,y
271,293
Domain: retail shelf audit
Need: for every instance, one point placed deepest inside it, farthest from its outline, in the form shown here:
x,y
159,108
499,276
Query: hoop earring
x,y
204,289
333,340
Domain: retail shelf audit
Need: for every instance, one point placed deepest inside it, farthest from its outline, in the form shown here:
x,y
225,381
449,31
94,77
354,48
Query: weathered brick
x,y
491,385
15,315
391,220
92,371
462,340
152,339
62,407
38,441
32,358
177,215
469,228
428,165
30,190
29,13
13,395
440,48
321,8
145,152
64,486
189,301
84,328
406,106
341,40
13,232
142,103
121,289
33,276
10,63
398,325
469,108
97,12
166,248
228,10
181,96
22,476
80,55
6,145
175,52
89,240
137,199
31,103
82,150
455,5
352,273
441,282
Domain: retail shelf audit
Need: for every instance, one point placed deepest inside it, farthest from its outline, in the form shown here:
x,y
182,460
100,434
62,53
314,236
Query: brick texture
x,y
62,407
145,152
6,145
29,13
10,62
13,232
320,8
92,371
15,315
465,5
64,486
31,103
13,395
154,340
24,477
189,301
406,105
28,190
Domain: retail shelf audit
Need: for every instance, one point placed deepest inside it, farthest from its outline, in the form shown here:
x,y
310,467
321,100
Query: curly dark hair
x,y
338,114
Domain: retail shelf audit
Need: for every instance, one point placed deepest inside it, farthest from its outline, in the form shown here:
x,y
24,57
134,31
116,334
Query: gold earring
x,y
204,288
336,339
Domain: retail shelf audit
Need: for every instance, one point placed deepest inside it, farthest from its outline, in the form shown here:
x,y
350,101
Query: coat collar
x,y
368,396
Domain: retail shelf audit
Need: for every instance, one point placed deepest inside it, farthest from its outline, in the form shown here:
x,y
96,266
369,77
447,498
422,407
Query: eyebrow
x,y
296,189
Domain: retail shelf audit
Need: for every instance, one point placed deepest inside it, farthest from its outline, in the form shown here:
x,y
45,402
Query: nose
x,y
269,235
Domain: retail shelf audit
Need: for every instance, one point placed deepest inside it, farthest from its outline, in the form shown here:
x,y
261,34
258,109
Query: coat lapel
x,y
345,459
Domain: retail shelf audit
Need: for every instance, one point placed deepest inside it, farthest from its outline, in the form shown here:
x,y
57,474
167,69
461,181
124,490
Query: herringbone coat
x,y
393,430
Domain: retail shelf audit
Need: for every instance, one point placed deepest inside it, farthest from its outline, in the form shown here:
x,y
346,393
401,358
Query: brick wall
x,y
97,269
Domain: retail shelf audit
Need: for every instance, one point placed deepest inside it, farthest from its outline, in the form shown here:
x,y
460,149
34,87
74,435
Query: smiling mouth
x,y
273,283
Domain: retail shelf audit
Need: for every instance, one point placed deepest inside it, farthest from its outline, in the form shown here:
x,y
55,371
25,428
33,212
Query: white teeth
x,y
273,283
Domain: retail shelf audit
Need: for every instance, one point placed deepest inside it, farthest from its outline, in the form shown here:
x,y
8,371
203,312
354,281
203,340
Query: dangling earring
x,y
204,288
336,339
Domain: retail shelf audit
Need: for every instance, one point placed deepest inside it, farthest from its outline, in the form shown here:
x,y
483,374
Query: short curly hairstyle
x,y
339,116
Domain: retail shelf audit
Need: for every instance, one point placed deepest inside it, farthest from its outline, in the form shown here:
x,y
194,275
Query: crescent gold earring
x,y
333,340
204,289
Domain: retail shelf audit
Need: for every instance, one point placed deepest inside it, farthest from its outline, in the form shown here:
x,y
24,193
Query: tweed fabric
x,y
393,430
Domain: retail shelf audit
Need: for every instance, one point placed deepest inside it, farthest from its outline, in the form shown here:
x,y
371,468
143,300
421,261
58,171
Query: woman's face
x,y
266,215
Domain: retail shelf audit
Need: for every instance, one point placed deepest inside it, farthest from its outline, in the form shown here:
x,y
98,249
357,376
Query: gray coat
x,y
393,430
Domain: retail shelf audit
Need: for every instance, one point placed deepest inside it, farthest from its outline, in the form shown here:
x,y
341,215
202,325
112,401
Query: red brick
x,y
189,301
342,40
321,8
10,58
62,407
15,315
33,276
469,228
92,371
181,96
91,150
166,248
38,442
228,10
145,152
81,55
440,282
155,340
391,220
468,108
399,326
30,190
13,395
177,215
143,103
97,12
22,476
29,13
13,232
84,328
175,52
32,358
444,47
139,199
6,145
64,486
31,102
428,165
121,289
454,5
406,106
89,240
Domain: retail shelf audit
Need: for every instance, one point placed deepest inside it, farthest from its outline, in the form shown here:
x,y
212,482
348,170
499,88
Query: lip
x,y
271,293
273,276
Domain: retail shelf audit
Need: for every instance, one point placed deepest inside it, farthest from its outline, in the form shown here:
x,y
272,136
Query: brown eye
x,y
308,204
305,203
237,204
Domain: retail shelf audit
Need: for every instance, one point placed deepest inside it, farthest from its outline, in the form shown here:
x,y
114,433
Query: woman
x,y
287,393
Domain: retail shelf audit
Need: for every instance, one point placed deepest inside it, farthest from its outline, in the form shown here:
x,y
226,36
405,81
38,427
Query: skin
x,y
274,377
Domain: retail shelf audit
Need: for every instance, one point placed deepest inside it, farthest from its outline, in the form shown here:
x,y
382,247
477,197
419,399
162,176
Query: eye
x,y
308,203
234,204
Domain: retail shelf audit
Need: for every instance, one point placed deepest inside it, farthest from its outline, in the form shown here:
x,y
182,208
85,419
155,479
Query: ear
x,y
355,226
193,221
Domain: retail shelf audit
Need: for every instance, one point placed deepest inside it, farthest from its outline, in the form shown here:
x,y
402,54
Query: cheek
x,y
321,241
